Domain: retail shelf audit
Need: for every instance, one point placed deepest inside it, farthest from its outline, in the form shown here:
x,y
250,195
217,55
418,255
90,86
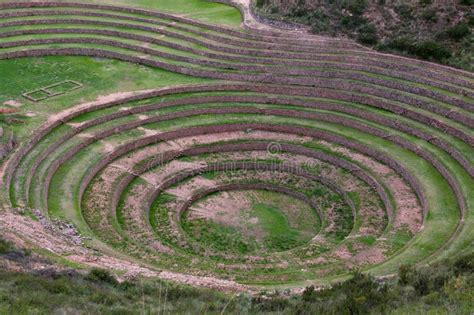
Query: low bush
x,y
446,287
428,50
356,7
5,246
464,264
101,276
260,3
367,35
319,21
404,10
458,32
425,23
430,15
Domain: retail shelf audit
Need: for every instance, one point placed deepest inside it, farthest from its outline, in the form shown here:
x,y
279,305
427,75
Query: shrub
x,y
368,34
430,15
297,12
428,50
402,44
260,3
5,246
464,264
353,22
101,276
357,7
273,304
404,10
420,280
319,21
466,2
309,294
363,293
458,32
403,274
431,50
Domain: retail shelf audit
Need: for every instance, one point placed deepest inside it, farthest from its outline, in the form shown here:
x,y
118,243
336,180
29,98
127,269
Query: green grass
x,y
281,230
279,235
202,10
209,12
209,119
99,77
219,237
367,240
176,125
263,227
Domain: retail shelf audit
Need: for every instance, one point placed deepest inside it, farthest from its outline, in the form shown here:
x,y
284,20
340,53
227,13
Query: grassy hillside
x,y
440,289
431,30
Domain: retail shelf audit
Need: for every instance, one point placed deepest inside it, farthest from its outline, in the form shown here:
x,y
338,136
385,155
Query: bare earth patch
x,y
13,103
223,208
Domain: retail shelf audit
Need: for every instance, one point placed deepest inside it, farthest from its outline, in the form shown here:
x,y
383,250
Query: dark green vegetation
x,y
446,287
430,30
5,246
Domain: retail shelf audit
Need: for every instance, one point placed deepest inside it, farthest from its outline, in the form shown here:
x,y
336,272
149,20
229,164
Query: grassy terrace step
x,y
353,75
461,134
168,29
231,15
388,85
119,185
242,165
228,46
388,124
195,23
192,101
178,19
281,37
312,48
248,167
390,93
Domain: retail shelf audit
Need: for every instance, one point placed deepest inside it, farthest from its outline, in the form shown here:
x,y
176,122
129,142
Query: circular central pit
x,y
250,222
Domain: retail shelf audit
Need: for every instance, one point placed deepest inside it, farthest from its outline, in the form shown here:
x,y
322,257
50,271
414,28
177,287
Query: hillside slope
x,y
430,30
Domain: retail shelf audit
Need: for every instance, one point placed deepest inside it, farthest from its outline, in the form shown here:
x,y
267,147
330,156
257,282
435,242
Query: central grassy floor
x,y
269,222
